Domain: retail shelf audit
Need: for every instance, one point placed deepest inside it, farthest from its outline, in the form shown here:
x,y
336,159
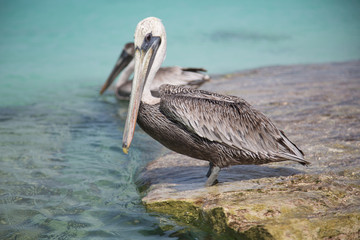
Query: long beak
x,y
144,59
121,63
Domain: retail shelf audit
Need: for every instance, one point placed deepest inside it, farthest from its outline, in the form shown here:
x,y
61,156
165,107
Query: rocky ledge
x,y
318,107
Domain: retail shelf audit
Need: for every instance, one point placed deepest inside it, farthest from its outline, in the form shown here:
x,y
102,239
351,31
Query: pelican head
x,y
125,58
150,50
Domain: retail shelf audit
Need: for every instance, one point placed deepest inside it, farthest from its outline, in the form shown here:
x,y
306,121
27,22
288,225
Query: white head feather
x,y
156,28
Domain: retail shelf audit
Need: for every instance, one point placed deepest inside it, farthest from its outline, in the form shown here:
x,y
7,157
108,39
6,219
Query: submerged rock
x,y
318,107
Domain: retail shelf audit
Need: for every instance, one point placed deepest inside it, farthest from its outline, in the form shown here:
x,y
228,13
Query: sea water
x,y
62,172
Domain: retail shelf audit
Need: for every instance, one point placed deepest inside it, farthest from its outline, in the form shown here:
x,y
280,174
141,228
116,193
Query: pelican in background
x,y
224,130
192,77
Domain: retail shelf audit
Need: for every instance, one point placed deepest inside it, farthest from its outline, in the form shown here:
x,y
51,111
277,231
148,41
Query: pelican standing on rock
x,y
191,77
224,130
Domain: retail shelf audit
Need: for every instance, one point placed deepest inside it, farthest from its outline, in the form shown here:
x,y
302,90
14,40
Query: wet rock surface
x,y
318,107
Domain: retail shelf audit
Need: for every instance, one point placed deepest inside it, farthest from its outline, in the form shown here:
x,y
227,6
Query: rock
x,y
318,107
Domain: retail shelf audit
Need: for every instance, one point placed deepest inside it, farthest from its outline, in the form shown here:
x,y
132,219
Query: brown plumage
x,y
224,130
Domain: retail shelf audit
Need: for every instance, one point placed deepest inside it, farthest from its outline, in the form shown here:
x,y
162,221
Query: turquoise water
x,y
62,172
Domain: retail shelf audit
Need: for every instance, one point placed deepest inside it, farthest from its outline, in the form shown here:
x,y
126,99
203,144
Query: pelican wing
x,y
180,76
227,119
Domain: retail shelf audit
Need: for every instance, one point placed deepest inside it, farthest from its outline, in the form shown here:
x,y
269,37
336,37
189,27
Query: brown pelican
x,y
191,77
224,130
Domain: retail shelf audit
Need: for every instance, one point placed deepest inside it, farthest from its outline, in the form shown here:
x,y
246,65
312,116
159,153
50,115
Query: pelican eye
x,y
148,37
149,40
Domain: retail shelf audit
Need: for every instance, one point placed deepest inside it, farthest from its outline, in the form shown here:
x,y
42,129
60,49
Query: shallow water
x,y
62,171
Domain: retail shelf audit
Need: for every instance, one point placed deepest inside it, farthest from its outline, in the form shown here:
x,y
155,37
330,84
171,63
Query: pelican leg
x,y
212,179
211,165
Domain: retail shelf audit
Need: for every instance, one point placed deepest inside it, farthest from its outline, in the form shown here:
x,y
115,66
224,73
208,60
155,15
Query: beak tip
x,y
102,90
125,149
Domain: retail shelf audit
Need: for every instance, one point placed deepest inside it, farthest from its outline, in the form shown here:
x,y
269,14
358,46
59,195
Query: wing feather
x,y
180,76
226,119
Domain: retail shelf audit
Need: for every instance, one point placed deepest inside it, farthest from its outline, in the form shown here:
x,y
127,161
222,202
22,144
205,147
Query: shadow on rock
x,y
191,174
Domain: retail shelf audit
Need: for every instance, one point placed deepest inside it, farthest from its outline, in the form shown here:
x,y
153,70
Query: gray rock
x,y
318,107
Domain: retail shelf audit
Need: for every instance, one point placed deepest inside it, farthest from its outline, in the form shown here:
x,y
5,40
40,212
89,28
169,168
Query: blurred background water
x,y
62,171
